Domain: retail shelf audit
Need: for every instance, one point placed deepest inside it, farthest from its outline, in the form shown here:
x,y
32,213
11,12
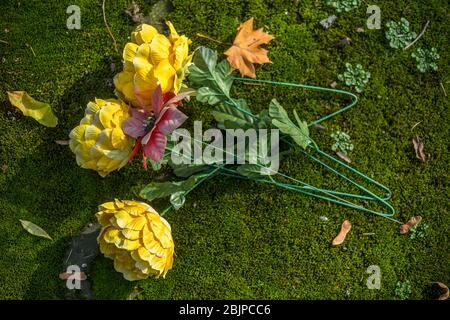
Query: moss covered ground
x,y
233,239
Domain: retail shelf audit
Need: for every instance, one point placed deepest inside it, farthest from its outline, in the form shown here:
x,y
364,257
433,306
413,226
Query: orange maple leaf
x,y
246,51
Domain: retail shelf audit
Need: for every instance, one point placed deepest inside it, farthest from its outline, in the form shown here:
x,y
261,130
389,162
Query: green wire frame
x,y
335,195
332,196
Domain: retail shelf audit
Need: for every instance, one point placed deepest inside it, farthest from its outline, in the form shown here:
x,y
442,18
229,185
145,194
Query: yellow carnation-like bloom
x,y
151,59
99,142
137,238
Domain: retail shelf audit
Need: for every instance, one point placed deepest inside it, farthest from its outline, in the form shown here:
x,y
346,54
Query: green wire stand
x,y
323,159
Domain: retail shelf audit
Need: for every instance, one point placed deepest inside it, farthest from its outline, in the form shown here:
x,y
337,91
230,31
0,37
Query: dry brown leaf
x,y
343,43
246,51
419,148
405,228
65,275
444,288
343,156
62,142
319,126
345,228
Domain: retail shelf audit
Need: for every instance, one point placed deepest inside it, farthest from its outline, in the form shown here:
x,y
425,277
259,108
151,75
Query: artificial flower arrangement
x,y
151,90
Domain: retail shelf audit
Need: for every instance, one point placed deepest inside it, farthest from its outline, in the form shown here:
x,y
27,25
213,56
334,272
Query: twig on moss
x,y
414,126
443,89
29,46
3,41
200,35
420,35
107,27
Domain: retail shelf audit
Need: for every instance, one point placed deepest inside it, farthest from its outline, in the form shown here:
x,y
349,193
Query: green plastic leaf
x,y
178,199
155,190
155,165
212,80
280,119
34,229
39,111
187,170
230,117
251,171
209,96
264,120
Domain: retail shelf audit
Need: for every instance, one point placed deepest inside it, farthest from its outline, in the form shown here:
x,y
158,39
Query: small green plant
x,y
398,34
418,231
342,142
403,290
343,5
426,59
355,76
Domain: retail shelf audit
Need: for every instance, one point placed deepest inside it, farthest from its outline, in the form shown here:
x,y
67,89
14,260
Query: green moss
x,y
233,239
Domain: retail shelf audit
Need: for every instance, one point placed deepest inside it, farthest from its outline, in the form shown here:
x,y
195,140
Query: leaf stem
x,y
420,35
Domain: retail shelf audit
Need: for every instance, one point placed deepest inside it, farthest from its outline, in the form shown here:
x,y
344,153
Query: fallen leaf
x,y
345,228
359,30
404,228
39,111
64,276
246,51
343,43
319,126
445,292
62,142
343,157
419,148
34,229
333,84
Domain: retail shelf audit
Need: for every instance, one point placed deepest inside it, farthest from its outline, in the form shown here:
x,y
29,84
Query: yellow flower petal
x,y
144,33
111,235
106,114
129,52
103,218
141,62
131,234
159,49
165,73
173,33
130,240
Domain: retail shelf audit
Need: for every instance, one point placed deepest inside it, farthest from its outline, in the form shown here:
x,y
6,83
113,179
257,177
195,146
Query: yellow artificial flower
x,y
137,238
99,142
149,60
